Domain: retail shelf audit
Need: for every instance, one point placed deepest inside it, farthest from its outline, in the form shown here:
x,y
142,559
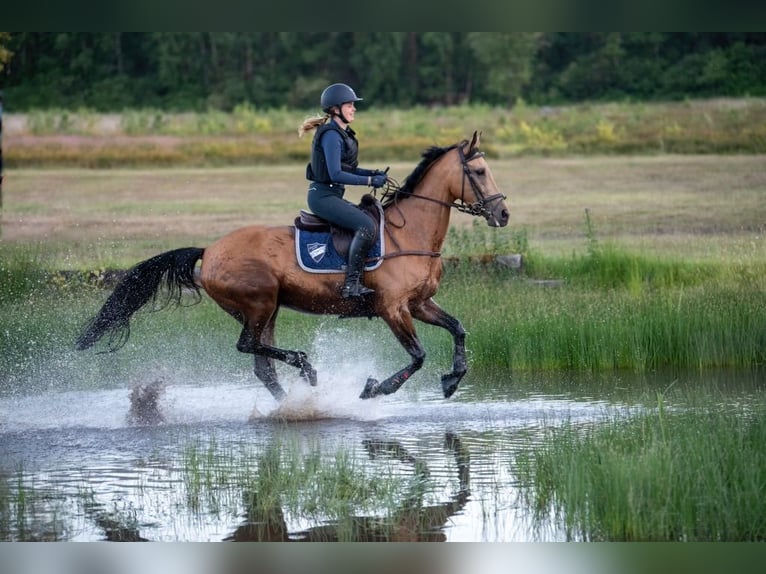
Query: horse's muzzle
x,y
498,217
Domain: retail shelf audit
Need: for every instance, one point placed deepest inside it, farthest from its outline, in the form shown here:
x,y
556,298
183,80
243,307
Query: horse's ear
x,y
475,141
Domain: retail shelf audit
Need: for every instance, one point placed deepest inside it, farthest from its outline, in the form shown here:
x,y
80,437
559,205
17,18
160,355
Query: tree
x,y
377,57
5,53
507,59
436,76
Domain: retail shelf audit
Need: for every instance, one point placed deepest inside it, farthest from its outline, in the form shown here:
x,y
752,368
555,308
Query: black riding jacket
x,y
316,170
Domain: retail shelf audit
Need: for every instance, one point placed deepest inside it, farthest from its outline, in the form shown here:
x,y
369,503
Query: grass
x,y
661,475
29,513
696,208
633,263
249,136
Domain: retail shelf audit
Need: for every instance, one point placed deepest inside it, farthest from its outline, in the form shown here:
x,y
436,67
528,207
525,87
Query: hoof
x,y
311,377
371,389
307,371
449,385
277,392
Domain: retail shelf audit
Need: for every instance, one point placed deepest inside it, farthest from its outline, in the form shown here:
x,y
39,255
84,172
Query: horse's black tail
x,y
140,285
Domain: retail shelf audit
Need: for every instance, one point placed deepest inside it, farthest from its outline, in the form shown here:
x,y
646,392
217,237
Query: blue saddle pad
x,y
316,252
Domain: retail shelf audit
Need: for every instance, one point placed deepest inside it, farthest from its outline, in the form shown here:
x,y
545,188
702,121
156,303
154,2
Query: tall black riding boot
x,y
357,254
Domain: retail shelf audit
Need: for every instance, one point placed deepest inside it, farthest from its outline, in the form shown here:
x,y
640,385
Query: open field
x,y
698,208
249,136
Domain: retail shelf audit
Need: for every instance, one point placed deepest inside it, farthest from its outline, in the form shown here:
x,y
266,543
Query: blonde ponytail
x,y
311,123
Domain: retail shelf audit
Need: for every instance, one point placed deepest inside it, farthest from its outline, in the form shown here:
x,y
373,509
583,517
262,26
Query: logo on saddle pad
x,y
316,251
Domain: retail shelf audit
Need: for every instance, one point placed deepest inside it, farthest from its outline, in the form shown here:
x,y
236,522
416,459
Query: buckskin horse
x,y
253,271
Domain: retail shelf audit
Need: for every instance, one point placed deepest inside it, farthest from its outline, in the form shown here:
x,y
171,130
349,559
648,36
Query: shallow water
x,y
88,470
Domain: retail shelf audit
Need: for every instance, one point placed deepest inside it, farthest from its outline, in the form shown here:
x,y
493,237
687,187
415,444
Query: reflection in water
x,y
116,527
412,521
78,466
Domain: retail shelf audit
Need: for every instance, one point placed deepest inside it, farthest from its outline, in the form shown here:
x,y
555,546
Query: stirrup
x,y
355,290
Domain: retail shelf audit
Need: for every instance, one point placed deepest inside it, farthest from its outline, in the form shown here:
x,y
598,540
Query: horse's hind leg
x,y
429,312
264,370
261,344
263,366
297,359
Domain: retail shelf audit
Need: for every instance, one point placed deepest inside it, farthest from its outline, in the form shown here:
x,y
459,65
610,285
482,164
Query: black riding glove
x,y
378,180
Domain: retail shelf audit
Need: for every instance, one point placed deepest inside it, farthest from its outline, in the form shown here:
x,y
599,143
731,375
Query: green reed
x,y
289,479
522,326
607,308
28,513
660,475
22,273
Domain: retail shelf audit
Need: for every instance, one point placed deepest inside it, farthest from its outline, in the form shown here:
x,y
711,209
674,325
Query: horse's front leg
x,y
429,312
402,327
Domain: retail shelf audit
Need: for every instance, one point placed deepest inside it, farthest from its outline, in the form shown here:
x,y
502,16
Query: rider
x,y
334,165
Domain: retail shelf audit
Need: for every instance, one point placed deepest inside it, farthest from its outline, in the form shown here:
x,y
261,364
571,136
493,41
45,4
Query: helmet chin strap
x,y
341,116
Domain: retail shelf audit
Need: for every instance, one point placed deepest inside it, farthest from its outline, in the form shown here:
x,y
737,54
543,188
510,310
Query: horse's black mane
x,y
429,156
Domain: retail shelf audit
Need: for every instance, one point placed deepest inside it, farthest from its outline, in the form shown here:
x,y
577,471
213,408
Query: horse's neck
x,y
425,215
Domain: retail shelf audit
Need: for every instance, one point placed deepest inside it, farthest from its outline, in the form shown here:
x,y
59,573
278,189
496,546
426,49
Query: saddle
x,y
341,237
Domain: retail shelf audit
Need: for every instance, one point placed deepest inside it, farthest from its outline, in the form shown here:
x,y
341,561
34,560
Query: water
x,y
78,466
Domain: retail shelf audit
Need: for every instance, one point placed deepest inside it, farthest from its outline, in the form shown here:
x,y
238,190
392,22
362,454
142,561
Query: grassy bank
x,y
662,316
522,325
694,475
248,136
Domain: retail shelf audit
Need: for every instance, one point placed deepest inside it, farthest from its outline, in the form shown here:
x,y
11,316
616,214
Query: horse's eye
x,y
481,171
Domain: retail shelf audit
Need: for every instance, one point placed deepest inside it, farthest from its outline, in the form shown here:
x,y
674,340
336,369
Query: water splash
x,y
343,362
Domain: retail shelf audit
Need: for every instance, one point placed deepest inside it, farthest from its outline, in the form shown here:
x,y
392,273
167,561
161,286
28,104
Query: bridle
x,y
480,207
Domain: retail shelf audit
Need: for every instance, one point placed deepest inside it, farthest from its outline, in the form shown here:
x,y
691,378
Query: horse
x,y
253,271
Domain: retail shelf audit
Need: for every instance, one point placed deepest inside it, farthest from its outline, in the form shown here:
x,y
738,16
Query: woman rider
x,y
334,165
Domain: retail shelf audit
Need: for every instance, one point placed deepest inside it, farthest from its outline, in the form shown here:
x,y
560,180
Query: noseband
x,y
482,204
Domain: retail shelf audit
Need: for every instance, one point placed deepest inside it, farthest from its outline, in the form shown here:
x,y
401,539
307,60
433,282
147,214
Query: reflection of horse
x,y
253,271
411,522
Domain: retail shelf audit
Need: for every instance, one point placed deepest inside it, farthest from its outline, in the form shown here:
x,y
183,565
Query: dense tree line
x,y
110,71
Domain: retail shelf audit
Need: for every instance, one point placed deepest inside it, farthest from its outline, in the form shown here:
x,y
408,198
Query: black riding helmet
x,y
336,95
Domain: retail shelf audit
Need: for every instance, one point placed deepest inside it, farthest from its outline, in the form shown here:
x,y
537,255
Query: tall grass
x,y
695,475
22,274
28,513
249,135
611,309
517,325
